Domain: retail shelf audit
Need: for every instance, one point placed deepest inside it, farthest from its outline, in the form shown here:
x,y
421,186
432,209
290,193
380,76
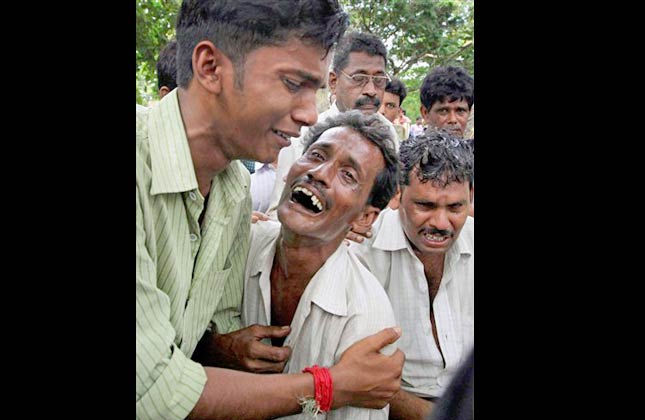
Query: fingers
x,y
256,215
264,352
363,230
263,366
260,215
270,331
355,237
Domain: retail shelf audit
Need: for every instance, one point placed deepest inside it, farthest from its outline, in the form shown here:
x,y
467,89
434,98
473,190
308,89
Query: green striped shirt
x,y
187,275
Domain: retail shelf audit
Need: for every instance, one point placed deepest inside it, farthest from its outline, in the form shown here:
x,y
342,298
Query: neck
x,y
433,269
207,145
300,259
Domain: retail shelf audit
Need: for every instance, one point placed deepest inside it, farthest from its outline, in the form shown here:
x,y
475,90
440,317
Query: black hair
x,y
357,42
372,128
447,83
396,87
167,66
439,157
238,27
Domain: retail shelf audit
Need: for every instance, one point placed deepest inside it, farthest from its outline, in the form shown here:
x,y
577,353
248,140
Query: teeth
x,y
314,199
316,202
281,134
303,190
436,238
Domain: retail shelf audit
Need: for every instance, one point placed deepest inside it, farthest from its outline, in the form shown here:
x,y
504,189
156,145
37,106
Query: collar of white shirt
x,y
391,237
326,288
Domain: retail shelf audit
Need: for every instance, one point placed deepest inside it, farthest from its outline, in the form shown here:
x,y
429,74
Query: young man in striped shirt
x,y
299,273
247,75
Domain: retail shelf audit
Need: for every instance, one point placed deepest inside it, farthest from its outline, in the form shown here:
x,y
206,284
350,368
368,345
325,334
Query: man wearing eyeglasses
x,y
357,79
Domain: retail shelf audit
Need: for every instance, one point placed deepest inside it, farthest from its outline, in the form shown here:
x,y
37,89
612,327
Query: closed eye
x,y
426,204
292,85
349,176
317,155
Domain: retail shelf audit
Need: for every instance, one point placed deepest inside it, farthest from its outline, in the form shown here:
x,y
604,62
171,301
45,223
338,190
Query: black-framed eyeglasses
x,y
361,79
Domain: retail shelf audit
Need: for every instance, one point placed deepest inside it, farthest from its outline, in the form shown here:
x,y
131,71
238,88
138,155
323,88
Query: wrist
x,y
340,396
323,391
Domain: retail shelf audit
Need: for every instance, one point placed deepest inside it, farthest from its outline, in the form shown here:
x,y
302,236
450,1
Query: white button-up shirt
x,y
390,258
342,304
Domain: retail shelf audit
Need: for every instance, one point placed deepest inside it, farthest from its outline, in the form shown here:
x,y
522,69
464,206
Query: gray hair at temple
x,y
439,157
375,130
238,27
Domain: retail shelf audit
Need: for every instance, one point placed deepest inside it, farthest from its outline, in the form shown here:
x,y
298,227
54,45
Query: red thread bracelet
x,y
323,387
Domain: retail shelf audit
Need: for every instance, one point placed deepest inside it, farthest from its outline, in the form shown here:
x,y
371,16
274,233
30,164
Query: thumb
x,y
383,338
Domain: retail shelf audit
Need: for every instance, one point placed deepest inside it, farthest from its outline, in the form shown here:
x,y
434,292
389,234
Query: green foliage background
x,y
419,34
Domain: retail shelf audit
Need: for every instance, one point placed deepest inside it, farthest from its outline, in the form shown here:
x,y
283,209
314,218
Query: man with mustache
x,y
423,253
357,79
299,273
447,96
193,208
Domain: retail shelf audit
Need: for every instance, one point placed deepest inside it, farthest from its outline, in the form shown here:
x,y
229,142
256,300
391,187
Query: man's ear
x,y
395,202
208,66
424,112
364,221
163,91
333,80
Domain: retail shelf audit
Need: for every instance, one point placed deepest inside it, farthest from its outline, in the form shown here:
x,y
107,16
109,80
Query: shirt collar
x,y
172,164
171,161
391,236
326,288
328,285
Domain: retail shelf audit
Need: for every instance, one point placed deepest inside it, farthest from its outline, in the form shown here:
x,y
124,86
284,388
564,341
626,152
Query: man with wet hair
x,y
447,96
423,253
247,73
357,80
299,273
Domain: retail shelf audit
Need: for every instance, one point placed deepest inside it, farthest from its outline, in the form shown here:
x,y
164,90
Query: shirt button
x,y
193,237
192,196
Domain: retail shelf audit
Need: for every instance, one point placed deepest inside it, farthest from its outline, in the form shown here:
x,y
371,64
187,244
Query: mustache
x,y
308,179
366,100
435,231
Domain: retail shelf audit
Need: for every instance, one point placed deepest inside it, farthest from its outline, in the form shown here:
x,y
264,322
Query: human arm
x,y
407,406
363,377
168,383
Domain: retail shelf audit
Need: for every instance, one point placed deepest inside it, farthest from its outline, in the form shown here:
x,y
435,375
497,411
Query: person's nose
x,y
322,173
370,88
452,117
439,220
306,112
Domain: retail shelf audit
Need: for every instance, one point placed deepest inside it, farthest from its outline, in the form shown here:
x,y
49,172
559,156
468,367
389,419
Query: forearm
x,y
407,406
240,395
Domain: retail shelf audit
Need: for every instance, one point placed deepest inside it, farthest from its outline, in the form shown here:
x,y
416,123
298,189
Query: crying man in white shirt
x,y
422,251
